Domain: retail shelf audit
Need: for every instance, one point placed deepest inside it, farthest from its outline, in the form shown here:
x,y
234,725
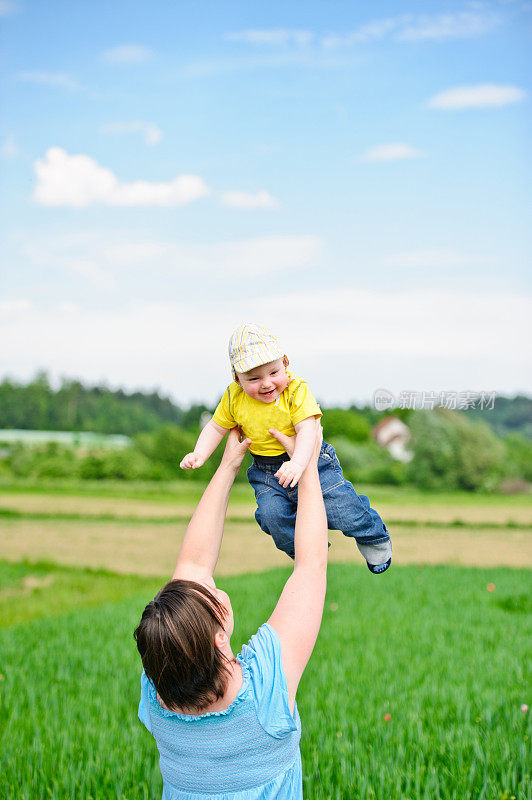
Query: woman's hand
x,y
235,450
289,442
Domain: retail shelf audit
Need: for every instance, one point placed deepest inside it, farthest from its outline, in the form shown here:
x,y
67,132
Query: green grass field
x,y
185,491
428,645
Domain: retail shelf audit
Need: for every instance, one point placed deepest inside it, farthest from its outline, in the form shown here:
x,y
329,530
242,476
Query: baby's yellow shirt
x,y
293,405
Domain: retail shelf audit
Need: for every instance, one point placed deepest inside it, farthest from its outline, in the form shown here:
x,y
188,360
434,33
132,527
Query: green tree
x,y
350,425
168,446
452,453
366,462
519,456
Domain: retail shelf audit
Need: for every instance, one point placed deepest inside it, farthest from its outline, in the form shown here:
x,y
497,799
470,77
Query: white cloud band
x,y
127,54
484,95
474,340
261,199
395,151
79,181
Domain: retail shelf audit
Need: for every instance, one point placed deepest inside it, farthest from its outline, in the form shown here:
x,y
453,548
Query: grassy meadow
x,y
414,691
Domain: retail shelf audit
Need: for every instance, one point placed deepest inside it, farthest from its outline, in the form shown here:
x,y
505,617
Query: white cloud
x,y
261,199
91,271
272,36
484,95
394,151
422,339
152,134
55,79
127,54
432,259
464,24
376,29
257,257
14,307
254,257
79,181
417,27
9,148
107,262
68,308
476,21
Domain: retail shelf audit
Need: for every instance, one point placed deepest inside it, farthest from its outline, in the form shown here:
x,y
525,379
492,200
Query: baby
x,y
263,397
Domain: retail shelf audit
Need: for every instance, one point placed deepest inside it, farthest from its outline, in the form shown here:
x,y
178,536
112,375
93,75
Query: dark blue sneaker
x,y
378,568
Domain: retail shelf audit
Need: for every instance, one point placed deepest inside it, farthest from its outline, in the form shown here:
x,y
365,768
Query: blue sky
x,y
354,177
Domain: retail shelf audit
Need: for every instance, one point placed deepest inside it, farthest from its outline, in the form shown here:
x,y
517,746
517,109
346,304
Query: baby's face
x,y
265,383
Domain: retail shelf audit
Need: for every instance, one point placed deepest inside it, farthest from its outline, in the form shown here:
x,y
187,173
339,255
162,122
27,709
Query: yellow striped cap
x,y
251,345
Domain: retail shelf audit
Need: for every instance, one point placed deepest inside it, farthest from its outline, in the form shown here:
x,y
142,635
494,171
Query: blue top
x,y
248,751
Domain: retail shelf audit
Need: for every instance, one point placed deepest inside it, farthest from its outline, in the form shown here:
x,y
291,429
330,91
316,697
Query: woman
x,y
228,728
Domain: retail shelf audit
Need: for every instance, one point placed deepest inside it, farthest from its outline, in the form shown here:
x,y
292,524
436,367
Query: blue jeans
x,y
346,510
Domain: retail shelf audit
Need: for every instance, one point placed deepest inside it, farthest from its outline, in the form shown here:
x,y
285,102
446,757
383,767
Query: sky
x,y
353,176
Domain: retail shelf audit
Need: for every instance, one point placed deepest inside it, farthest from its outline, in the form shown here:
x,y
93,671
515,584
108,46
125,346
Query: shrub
x,y
91,468
167,446
59,465
128,464
350,425
519,456
368,463
452,453
21,461
481,456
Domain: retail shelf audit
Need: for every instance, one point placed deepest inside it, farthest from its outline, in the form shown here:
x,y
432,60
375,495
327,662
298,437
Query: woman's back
x,y
249,751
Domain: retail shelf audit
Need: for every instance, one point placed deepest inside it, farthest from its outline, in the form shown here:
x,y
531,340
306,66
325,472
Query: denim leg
x,y
276,512
351,513
346,510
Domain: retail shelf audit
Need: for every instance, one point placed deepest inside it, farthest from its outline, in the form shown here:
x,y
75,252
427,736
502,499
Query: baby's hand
x,y
289,473
192,461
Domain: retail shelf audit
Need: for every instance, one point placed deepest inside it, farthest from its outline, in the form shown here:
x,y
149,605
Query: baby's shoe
x,y
378,556
378,568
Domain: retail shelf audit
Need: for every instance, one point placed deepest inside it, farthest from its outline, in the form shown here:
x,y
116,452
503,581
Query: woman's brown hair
x,y
175,639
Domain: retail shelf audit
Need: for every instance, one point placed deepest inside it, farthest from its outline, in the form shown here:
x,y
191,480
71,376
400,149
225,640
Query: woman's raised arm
x,y
199,552
297,615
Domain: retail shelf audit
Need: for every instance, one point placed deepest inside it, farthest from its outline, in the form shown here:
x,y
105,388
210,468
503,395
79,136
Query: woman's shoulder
x,y
263,645
262,657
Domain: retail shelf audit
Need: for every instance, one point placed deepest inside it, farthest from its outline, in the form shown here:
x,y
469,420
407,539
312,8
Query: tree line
x,y
451,450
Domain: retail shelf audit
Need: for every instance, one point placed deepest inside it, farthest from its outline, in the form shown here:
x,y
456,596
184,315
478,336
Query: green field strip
x,y
35,590
414,690
38,589
181,491
191,491
15,514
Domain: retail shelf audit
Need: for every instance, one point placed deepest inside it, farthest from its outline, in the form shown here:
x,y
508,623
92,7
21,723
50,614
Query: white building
x,y
395,436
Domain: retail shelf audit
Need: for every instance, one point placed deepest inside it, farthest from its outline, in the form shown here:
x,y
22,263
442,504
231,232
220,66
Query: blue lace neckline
x,y
242,694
